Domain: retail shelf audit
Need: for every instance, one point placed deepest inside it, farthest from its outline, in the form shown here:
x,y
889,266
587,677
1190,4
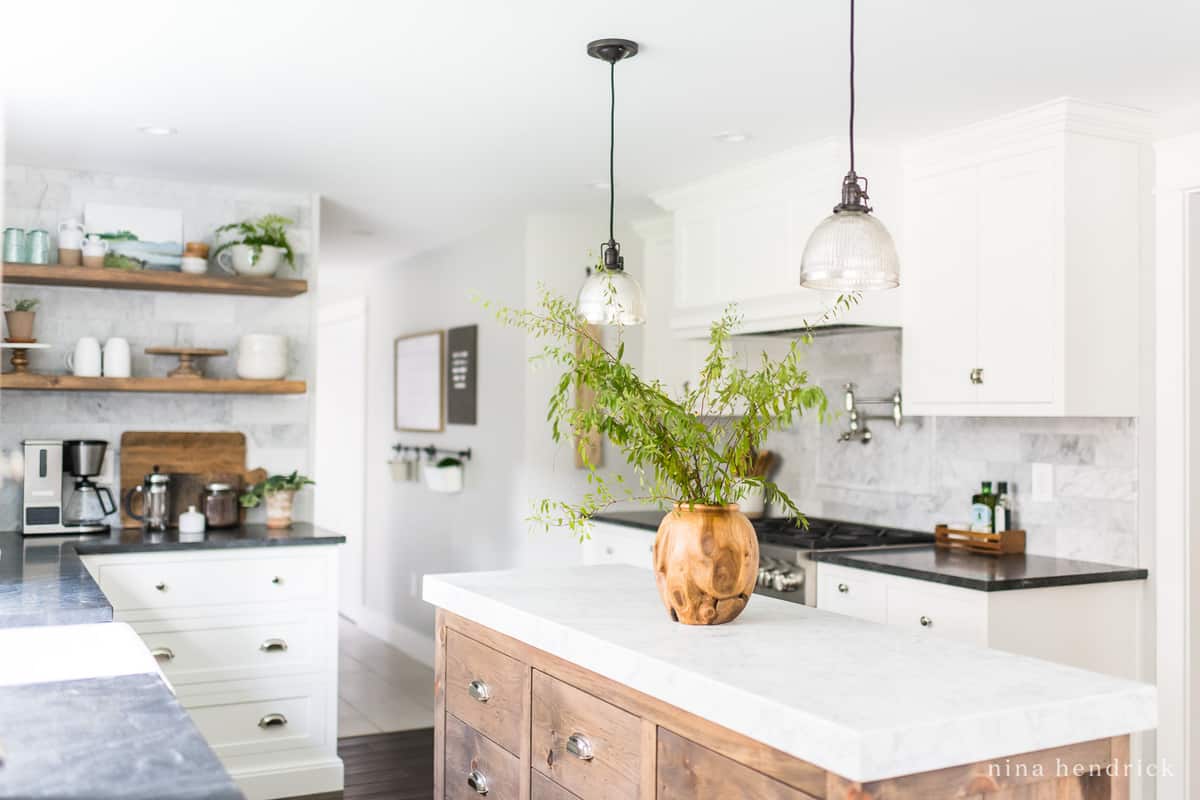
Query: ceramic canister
x,y
262,356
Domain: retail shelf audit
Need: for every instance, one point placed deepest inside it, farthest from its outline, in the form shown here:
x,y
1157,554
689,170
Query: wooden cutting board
x,y
193,459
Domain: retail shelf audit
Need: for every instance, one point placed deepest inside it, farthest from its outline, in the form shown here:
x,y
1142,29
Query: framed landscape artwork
x,y
419,362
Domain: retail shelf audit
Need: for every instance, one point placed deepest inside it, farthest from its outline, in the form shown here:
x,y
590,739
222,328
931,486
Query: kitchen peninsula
x,y
574,683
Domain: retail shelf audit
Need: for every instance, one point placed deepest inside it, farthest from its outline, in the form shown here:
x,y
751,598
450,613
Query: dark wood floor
x,y
396,766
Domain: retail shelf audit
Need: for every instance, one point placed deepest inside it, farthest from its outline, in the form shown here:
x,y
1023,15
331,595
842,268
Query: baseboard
x,y
413,643
297,781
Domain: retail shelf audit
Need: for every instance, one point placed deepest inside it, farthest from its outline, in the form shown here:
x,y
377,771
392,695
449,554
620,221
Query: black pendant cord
x,y
852,87
612,144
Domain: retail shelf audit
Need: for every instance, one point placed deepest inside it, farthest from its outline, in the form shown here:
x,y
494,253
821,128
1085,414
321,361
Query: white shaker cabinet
x,y
738,237
1022,253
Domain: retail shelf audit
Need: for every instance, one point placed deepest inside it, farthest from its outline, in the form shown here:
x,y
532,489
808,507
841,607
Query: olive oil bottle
x,y
983,509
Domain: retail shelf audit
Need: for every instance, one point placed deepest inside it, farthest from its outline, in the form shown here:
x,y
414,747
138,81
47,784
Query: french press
x,y
156,501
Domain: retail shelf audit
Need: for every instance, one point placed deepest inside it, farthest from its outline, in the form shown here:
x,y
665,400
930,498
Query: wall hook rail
x,y
432,452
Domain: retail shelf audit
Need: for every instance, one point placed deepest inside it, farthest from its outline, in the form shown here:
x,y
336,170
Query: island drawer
x,y
542,788
486,689
154,583
586,745
201,651
852,592
475,765
686,770
250,717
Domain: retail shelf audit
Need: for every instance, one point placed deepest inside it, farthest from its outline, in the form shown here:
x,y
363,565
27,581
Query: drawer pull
x,y
273,646
843,588
162,587
477,781
925,621
272,721
580,746
479,690
278,581
163,654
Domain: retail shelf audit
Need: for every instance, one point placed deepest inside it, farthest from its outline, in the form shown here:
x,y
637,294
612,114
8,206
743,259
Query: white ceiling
x,y
423,120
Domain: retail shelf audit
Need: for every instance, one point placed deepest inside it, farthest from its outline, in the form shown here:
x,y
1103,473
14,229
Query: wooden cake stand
x,y
20,353
188,368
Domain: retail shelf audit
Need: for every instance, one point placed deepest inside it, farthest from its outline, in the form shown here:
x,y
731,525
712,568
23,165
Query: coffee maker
x,y
59,495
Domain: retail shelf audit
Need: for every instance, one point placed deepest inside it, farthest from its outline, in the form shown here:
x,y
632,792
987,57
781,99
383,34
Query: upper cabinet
x,y
738,237
1020,263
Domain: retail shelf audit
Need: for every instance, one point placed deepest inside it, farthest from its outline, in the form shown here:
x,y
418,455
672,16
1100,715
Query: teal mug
x,y
14,245
37,246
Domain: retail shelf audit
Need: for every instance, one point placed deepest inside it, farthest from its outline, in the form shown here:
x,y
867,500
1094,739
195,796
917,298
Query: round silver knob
x,y
162,587
278,581
977,376
925,621
843,588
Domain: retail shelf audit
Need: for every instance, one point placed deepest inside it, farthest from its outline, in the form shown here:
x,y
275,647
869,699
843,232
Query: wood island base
x,y
515,722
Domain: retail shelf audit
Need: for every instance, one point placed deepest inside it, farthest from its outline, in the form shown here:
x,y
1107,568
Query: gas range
x,y
785,568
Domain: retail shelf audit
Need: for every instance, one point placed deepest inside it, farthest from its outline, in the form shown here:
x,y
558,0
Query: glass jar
x,y
220,505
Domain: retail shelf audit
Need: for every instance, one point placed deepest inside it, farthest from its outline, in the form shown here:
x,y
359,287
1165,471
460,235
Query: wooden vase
x,y
705,563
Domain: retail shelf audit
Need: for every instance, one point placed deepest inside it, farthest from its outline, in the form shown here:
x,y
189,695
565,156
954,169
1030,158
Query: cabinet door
x,y
940,297
1020,287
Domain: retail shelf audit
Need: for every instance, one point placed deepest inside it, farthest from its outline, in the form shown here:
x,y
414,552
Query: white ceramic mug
x,y
194,265
262,356
84,361
241,259
116,358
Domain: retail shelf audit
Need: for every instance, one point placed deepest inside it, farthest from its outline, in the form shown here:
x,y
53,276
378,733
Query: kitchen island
x,y
574,683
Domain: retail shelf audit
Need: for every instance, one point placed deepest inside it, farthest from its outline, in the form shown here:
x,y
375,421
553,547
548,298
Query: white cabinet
x,y
1022,252
248,639
1092,626
619,544
738,237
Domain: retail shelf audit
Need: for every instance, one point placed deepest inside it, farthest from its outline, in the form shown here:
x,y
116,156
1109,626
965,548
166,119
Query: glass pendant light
x,y
609,296
850,250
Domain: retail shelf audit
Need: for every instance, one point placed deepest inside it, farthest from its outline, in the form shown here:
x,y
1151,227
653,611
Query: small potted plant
x,y
445,476
257,246
279,492
19,318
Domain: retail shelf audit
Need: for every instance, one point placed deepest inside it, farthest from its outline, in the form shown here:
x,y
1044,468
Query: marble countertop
x,y
865,701
43,581
85,713
981,572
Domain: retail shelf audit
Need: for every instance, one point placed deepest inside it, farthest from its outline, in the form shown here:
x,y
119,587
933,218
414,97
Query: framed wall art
x,y
419,363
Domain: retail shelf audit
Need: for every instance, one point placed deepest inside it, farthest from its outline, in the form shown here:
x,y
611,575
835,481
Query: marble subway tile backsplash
x,y
276,427
926,471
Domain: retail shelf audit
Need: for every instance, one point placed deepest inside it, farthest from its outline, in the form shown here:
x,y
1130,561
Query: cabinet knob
x,y
479,690
273,646
272,721
162,587
843,588
977,376
477,781
925,621
580,746
278,581
163,654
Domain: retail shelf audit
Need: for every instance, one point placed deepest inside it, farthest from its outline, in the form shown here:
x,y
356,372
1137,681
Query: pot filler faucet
x,y
858,429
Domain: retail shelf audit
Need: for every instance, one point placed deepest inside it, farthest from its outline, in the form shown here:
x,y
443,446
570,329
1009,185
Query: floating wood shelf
x,y
71,383
150,280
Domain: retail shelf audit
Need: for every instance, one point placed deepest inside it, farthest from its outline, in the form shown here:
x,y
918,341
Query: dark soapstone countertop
x,y
124,737
977,571
135,540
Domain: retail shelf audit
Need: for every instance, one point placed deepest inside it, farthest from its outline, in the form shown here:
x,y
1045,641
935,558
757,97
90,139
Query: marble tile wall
x,y
926,471
276,427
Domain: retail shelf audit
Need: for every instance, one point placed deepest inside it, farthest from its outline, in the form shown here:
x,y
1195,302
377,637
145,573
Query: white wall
x,y
409,530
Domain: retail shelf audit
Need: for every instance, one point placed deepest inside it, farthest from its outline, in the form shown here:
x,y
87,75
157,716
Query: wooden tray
x,y
976,542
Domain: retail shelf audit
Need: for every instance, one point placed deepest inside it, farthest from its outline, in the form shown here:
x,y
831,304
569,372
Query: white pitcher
x,y
70,234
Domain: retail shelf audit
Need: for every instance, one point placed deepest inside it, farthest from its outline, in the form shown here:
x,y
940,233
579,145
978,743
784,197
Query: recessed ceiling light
x,y
731,137
157,130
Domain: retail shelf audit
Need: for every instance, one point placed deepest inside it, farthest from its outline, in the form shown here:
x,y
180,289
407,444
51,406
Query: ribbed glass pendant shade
x,y
850,251
611,298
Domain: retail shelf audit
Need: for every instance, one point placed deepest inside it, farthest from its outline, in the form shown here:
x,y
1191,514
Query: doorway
x,y
339,450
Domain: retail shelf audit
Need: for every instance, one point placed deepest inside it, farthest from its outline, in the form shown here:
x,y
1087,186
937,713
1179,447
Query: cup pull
x,y
477,781
580,746
163,654
479,690
273,646
272,721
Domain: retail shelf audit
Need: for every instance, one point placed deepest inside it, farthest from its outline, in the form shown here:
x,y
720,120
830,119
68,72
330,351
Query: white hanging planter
x,y
448,480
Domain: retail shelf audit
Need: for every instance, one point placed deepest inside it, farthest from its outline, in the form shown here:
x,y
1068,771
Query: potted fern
x,y
19,318
279,493
256,247
687,452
